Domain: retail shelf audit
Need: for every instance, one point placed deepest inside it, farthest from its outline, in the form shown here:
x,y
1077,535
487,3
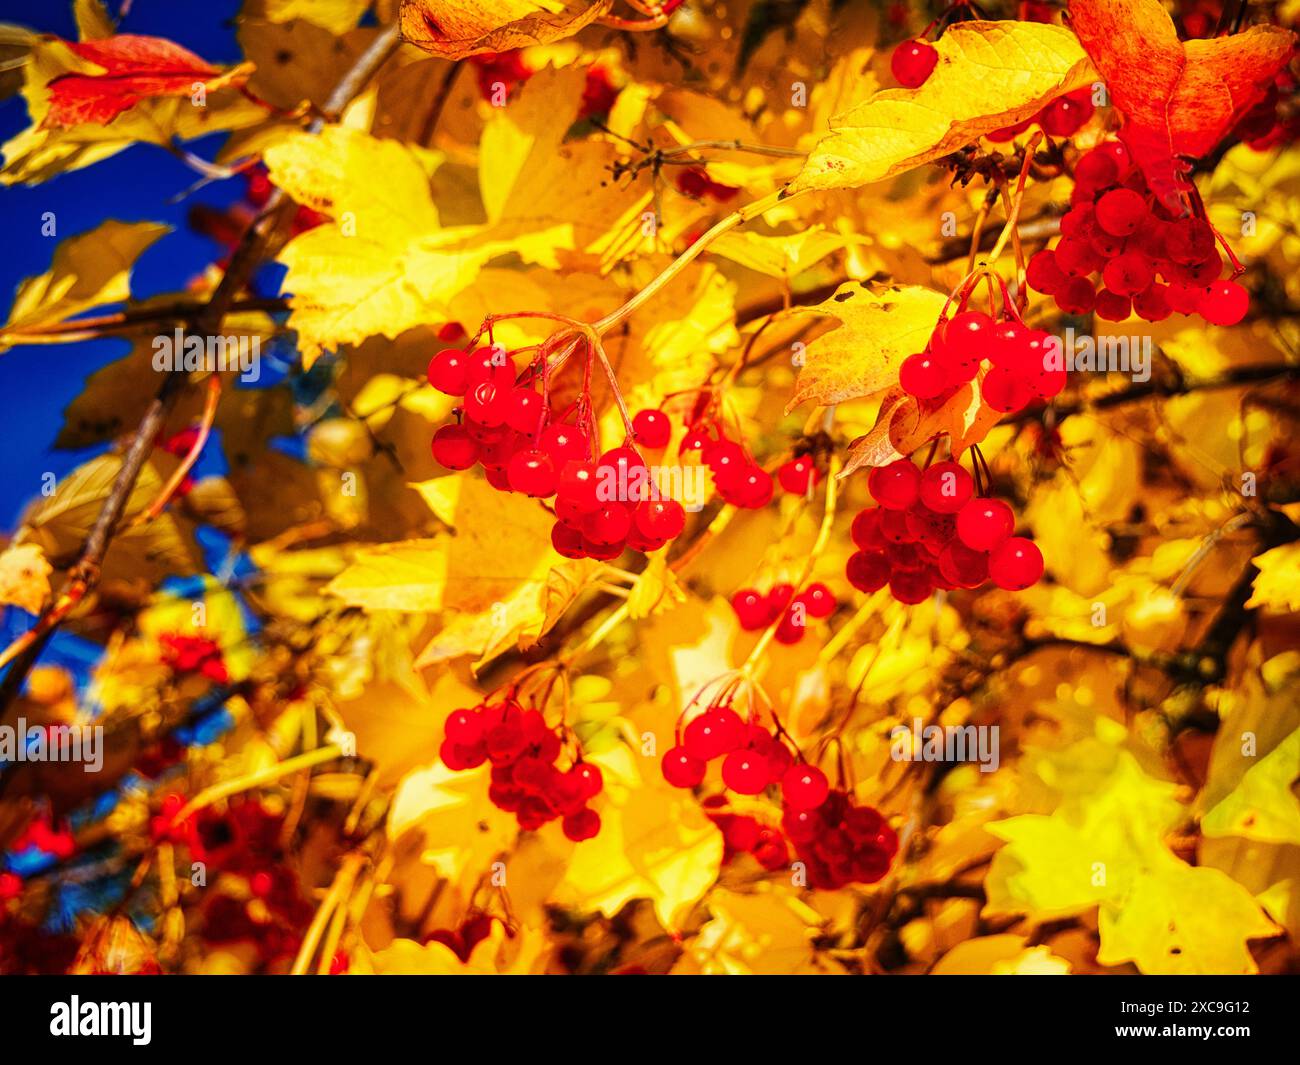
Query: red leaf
x,y
135,68
1178,99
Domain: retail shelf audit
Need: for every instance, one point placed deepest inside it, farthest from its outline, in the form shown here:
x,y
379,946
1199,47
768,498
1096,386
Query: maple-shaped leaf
x,y
988,75
135,68
459,28
1179,99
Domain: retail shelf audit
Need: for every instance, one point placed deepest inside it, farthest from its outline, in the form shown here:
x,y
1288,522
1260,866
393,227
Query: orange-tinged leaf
x,y
989,75
136,68
459,28
1178,99
905,423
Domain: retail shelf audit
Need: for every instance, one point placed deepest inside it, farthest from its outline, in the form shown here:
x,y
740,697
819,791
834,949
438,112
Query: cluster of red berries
x,y
1025,363
756,610
526,782
931,531
601,506
752,758
743,834
839,842
1151,261
1062,117
41,835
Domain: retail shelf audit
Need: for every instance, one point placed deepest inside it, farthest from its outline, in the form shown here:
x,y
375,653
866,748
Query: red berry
x,y
608,524
567,541
588,778
694,440
261,884
910,586
524,410
532,473
682,769
963,566
867,571
912,63
659,519
578,484
1077,296
923,376
745,772
1004,390
1015,564
982,524
486,404
453,448
798,475
1112,307
866,530
1152,304
1066,114
447,372
750,608
652,428
818,600
804,787
713,733
563,443
751,488
1127,274
1121,211
582,825
1043,273
945,487
1223,303
895,486
464,727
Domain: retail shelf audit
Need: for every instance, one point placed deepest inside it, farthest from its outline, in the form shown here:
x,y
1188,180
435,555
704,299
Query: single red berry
x,y
1152,304
963,566
447,372
867,571
804,787
532,473
1077,296
1127,274
567,541
659,519
1043,273
912,62
1004,390
1065,115
751,488
713,733
608,524
454,448
798,475
910,586
1223,303
923,376
1121,211
750,608
1112,307
741,832
583,825
745,772
464,727
589,779
261,884
1015,564
682,769
818,600
865,530
578,485
982,524
945,487
896,486
563,443
696,439
486,404
652,428
524,410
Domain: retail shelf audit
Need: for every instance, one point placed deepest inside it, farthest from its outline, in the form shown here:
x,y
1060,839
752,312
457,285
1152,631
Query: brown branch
x,y
126,321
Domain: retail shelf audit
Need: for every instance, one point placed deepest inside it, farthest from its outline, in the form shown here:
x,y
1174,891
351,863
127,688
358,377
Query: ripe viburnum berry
x,y
818,600
1223,303
532,473
682,769
659,519
652,428
867,571
745,772
804,787
798,475
1015,564
945,487
1121,211
750,608
447,371
912,62
982,524
923,376
896,486
453,448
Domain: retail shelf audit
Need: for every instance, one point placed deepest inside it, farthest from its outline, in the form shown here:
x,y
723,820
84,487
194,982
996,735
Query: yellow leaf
x,y
337,16
655,843
1002,955
24,577
1182,920
384,265
88,270
410,575
781,256
459,28
763,935
1277,586
989,75
878,330
520,954
1263,806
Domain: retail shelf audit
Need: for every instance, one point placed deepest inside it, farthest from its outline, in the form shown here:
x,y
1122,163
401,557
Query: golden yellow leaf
x,y
879,328
383,266
1277,587
764,935
337,16
459,28
1001,955
989,75
88,270
24,577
